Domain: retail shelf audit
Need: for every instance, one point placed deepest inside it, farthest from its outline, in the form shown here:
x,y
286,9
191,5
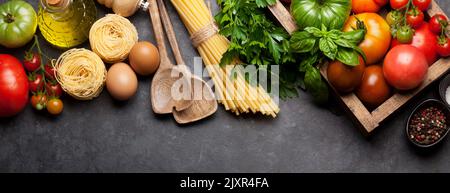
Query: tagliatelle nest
x,y
112,38
81,73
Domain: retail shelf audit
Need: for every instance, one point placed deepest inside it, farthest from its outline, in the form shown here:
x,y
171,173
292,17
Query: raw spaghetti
x,y
112,38
81,73
234,93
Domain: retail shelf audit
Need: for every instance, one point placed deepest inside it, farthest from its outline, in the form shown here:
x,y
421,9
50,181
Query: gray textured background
x,y
106,136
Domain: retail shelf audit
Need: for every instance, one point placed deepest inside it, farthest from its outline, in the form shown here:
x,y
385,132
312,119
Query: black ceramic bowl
x,y
424,104
443,85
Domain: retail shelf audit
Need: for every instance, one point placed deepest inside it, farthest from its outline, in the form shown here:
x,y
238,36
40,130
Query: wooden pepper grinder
x,y
125,8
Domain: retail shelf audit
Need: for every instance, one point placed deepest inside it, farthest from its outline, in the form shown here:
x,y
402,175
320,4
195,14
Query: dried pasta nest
x,y
112,38
81,73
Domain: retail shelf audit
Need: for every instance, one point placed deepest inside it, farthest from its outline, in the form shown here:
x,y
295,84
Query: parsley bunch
x,y
254,38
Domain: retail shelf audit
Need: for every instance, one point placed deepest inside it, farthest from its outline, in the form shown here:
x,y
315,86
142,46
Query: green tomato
x,y
405,34
314,13
394,17
18,23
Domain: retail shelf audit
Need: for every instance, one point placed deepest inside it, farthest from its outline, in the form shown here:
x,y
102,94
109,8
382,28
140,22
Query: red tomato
x,y
374,89
36,82
405,67
381,2
443,47
415,18
38,101
425,41
32,61
398,4
437,23
53,89
422,4
13,86
49,72
345,78
371,6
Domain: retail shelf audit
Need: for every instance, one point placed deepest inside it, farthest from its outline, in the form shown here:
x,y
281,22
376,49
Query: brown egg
x,y
144,58
121,82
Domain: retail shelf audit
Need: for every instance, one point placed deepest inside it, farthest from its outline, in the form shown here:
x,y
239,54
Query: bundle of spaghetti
x,y
81,73
232,90
112,38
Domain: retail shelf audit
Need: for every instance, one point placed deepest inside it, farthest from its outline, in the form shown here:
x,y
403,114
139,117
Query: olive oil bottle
x,y
66,23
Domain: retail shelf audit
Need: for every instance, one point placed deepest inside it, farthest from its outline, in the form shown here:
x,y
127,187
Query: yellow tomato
x,y
378,35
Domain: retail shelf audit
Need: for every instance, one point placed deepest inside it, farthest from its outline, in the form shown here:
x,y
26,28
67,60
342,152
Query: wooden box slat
x,y
366,120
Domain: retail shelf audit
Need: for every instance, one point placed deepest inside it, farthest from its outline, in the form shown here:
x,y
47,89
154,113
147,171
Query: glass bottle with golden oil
x,y
66,23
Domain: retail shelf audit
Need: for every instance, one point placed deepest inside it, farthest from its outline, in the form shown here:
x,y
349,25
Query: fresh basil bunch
x,y
315,46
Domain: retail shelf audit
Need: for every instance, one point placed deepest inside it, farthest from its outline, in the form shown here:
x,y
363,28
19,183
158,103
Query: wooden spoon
x,y
164,99
204,103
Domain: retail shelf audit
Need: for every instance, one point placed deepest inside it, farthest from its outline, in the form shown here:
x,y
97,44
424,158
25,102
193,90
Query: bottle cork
x,y
54,2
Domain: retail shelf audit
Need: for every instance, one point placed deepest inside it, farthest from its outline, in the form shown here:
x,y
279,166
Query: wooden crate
x,y
367,120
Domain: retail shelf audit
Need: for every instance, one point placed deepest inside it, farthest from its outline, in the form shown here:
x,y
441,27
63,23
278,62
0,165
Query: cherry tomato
x,y
53,89
32,61
405,34
425,41
394,17
374,89
38,101
437,23
55,106
398,4
415,18
443,47
378,35
422,4
405,67
36,82
345,78
49,72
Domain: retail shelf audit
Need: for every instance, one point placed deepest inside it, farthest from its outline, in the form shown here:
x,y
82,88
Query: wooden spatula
x,y
171,89
204,103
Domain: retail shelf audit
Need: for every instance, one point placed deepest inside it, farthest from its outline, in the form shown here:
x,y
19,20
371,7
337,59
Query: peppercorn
x,y
428,125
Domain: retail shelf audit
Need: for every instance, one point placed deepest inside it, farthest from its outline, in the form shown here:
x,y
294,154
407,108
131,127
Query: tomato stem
x,y
42,66
406,12
9,18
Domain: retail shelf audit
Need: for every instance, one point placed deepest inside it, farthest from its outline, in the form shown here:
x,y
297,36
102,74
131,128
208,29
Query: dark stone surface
x,y
106,136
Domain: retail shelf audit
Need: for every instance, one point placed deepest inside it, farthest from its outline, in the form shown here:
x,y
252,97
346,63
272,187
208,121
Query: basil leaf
x,y
328,47
315,32
302,42
344,43
348,56
308,61
354,37
315,85
360,52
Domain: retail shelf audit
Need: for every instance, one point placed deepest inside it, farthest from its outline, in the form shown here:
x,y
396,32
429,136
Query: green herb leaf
x,y
264,3
328,47
244,23
315,85
348,56
353,37
308,61
315,32
302,42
